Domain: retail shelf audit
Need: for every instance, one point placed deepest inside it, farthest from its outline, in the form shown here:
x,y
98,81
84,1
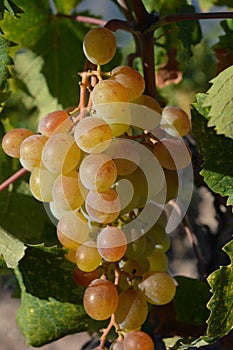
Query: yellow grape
x,y
158,287
61,153
111,243
175,121
159,237
108,91
103,207
55,122
93,134
88,257
138,340
158,261
98,172
100,299
136,267
31,151
56,210
83,278
71,255
117,345
131,79
12,140
148,101
99,45
41,183
67,242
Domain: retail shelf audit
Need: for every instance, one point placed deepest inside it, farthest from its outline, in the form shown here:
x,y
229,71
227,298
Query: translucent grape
x,y
12,140
175,121
132,310
31,151
117,345
71,255
41,183
138,340
99,45
136,248
136,267
103,207
131,79
111,243
55,122
56,210
83,278
108,91
61,153
93,134
150,102
158,287
100,299
88,257
158,261
68,191
159,237
98,172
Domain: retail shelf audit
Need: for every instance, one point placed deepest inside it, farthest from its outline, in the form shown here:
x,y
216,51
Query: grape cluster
x,y
88,165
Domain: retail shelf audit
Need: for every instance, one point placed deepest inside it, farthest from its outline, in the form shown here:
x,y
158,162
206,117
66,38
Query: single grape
x,y
103,207
41,183
83,278
117,345
138,340
158,287
132,310
31,151
159,237
108,91
98,172
88,257
131,79
100,299
158,261
175,121
93,134
12,140
150,102
56,210
55,122
111,243
99,45
71,255
61,153
136,248
136,267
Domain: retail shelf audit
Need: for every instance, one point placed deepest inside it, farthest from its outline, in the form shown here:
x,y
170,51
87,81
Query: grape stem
x,y
12,179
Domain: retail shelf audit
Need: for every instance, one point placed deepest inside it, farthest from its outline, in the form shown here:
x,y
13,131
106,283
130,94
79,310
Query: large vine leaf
x,y
5,61
10,6
220,321
178,343
216,150
220,100
11,248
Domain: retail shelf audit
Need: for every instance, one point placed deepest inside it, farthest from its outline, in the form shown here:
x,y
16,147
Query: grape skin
x,y
55,122
87,257
41,183
148,101
111,243
83,278
12,140
31,151
175,121
138,340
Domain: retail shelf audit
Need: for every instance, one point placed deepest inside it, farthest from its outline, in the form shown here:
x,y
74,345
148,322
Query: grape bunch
x,y
107,172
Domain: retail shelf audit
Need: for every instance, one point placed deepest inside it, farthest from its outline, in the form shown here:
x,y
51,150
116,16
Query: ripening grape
x,y
132,310
136,267
98,172
31,151
56,210
100,299
159,237
55,122
93,134
87,256
12,140
158,261
136,248
175,121
67,242
138,340
83,278
131,79
99,45
150,102
61,153
172,153
108,91
111,243
158,287
68,191
172,184
71,255
117,345
41,183
103,207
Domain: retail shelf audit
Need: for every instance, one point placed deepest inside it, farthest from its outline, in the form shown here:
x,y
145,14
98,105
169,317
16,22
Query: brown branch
x,y
12,179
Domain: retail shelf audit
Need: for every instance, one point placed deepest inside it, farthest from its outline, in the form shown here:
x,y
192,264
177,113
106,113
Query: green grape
x,y
55,122
132,310
68,191
172,184
131,79
158,287
12,140
172,153
100,299
175,121
117,345
31,151
136,248
138,340
99,45
98,172
88,257
109,91
103,207
111,243
83,278
136,267
41,183
150,102
61,153
158,261
139,182
93,134
74,226
159,237
56,210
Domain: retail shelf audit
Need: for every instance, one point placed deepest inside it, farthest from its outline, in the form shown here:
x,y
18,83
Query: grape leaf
x,y
216,150
220,100
11,248
10,6
66,6
5,61
178,343
220,321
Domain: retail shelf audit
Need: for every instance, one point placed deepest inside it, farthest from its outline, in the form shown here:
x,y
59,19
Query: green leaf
x,y
220,322
220,100
190,300
5,61
216,150
223,3
11,248
10,6
66,6
178,343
